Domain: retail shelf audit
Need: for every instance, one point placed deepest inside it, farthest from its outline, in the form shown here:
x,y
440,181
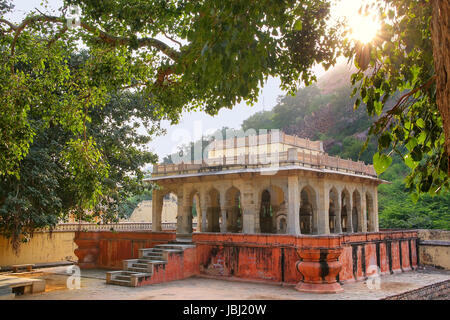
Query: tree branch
x,y
405,96
102,36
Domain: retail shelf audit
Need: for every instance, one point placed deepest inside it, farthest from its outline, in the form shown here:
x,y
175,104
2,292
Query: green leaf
x,y
420,123
298,26
412,143
410,162
378,107
381,162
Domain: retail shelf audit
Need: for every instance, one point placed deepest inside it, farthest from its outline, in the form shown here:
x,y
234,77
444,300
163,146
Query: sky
x,y
193,124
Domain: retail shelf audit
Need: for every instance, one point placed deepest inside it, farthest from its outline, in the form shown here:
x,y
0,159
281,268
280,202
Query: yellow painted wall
x,y
435,255
143,212
42,248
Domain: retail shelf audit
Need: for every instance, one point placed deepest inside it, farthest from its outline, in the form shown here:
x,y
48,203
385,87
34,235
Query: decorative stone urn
x,y
319,268
88,249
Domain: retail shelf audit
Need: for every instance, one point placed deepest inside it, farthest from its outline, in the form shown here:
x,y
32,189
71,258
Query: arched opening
x,y
345,211
273,211
370,213
307,209
356,210
213,212
333,210
234,210
282,224
266,213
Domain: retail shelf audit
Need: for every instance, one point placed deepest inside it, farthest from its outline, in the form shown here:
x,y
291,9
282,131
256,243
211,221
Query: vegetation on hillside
x,y
329,116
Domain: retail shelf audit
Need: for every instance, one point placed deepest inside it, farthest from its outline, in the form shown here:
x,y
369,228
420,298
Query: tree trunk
x,y
440,37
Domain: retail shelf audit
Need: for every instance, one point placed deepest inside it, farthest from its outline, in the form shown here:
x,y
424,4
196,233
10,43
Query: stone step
x,y
152,261
147,260
136,269
126,283
176,246
125,277
173,250
156,255
154,249
140,265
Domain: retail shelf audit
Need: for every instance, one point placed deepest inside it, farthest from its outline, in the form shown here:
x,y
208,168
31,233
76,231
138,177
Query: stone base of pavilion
x,y
311,263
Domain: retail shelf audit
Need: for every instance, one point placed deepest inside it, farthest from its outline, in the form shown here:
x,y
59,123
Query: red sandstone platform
x,y
323,261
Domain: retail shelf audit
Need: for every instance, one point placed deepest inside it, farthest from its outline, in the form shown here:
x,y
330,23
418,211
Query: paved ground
x,y
93,287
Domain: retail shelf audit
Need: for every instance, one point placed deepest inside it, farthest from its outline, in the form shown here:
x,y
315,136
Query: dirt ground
x,y
93,287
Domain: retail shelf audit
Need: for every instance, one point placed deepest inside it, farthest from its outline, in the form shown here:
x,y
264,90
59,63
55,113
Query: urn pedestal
x,y
319,268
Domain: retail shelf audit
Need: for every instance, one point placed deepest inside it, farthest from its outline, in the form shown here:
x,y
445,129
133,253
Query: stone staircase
x,y
141,271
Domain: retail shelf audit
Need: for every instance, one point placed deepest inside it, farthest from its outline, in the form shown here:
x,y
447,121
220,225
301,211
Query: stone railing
x,y
121,226
264,139
291,157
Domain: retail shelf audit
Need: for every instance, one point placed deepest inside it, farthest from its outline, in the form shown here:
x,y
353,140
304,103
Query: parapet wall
x,y
258,257
436,291
434,248
108,249
274,257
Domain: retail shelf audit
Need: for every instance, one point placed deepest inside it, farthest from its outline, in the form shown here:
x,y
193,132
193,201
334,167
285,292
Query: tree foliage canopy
x,y
400,59
50,187
67,114
56,117
203,54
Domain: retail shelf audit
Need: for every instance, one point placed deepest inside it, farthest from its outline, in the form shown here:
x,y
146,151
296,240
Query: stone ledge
x,y
434,243
430,292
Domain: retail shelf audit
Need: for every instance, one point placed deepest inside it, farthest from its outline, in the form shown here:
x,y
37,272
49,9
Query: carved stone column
x,y
376,227
223,212
293,206
364,222
350,213
204,210
338,209
323,205
157,206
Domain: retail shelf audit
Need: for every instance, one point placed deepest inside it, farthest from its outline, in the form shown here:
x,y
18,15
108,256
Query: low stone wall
x,y
387,251
436,291
434,248
262,257
108,249
43,247
274,257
